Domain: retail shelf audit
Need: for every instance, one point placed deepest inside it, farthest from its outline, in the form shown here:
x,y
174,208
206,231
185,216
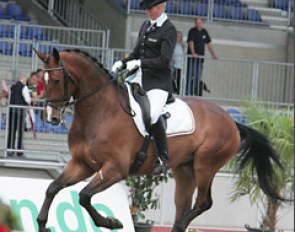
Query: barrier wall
x,y
25,196
67,215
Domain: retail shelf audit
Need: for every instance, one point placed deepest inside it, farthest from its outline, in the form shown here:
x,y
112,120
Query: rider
x,y
153,53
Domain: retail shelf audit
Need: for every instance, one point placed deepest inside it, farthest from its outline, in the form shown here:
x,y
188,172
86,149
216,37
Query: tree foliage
x,y
278,124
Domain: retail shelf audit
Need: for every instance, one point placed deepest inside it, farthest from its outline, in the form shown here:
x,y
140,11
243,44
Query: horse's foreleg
x,y
72,174
104,178
185,187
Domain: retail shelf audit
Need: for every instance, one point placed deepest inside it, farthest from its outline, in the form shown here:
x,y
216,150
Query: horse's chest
x,y
83,151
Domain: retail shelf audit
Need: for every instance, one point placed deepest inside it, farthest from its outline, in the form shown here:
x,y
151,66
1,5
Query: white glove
x,y
117,66
133,64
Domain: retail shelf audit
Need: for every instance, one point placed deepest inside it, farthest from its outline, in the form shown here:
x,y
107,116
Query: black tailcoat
x,y
155,48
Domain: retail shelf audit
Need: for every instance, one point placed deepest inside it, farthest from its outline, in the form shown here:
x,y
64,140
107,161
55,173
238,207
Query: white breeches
x,y
157,97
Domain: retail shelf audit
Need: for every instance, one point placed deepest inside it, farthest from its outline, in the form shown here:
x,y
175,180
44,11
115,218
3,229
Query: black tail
x,y
257,149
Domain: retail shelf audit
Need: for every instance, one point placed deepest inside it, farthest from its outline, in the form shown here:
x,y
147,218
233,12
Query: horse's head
x,y
59,85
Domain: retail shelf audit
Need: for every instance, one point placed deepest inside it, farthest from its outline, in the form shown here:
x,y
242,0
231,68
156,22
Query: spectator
x,y
176,62
20,96
4,94
40,84
197,38
153,54
32,84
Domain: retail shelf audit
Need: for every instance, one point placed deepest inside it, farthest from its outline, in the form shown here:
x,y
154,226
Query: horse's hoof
x,y
44,230
178,228
114,223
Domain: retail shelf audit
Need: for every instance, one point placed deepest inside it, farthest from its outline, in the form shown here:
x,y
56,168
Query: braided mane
x,y
90,57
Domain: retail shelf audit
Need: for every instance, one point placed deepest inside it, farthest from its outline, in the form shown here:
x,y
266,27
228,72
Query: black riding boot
x,y
160,139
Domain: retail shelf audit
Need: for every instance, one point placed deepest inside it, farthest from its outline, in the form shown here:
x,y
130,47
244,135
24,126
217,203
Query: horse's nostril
x,y
55,121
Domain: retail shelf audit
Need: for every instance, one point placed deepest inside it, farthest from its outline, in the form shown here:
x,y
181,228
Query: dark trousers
x,y
176,80
16,123
194,76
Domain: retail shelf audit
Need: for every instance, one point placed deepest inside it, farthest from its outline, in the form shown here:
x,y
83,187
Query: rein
x,y
119,78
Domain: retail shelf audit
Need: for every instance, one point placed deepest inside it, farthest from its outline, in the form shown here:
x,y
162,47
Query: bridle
x,y
68,77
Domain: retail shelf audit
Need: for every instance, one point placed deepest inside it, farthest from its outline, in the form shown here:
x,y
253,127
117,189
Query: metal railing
x,y
17,41
29,136
229,80
74,15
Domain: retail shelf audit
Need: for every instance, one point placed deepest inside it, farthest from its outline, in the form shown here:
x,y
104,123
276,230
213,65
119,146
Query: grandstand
x,y
254,39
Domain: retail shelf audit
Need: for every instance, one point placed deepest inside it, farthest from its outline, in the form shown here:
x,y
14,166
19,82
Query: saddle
x,y
178,117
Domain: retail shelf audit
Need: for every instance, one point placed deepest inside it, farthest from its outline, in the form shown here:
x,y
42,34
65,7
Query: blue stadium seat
x,y
36,32
25,49
219,2
1,10
10,31
231,2
253,15
170,7
292,5
202,9
13,9
3,14
2,30
280,4
134,4
236,13
5,48
185,8
23,32
219,11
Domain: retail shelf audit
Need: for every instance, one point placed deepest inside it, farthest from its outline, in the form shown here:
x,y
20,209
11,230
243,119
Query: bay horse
x,y
103,141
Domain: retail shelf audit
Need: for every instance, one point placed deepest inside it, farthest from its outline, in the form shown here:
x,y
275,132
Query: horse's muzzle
x,y
52,116
55,120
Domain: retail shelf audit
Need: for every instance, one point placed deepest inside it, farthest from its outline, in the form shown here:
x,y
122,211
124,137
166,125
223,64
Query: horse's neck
x,y
102,102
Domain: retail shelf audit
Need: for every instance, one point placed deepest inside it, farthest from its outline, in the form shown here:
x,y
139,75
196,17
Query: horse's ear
x,y
55,54
40,55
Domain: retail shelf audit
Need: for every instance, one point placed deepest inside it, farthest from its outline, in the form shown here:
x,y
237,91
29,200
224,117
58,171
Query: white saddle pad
x,y
181,121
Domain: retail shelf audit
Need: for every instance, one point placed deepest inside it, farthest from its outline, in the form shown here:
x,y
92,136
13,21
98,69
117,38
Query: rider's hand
x,y
133,64
117,66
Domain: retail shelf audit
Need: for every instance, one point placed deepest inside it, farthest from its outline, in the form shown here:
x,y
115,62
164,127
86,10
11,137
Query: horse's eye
x,y
56,81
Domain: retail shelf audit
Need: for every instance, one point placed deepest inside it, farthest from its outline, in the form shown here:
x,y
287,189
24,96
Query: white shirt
x,y
177,57
159,21
26,95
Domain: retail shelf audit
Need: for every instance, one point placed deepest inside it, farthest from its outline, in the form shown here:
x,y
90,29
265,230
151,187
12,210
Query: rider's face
x,y
155,12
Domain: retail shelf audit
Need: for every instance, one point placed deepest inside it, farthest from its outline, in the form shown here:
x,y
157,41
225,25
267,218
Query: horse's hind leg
x,y
185,187
204,174
104,178
73,173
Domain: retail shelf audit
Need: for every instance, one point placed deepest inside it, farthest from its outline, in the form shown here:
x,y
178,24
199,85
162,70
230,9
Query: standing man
x,y
152,55
197,38
20,96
